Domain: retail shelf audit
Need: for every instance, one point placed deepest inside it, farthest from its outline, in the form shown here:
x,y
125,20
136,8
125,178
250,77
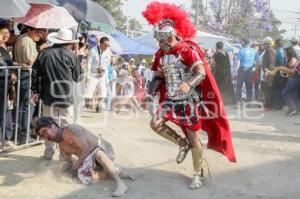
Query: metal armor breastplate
x,y
175,73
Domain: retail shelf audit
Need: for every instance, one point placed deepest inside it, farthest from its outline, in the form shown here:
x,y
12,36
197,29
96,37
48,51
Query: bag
x,y
99,69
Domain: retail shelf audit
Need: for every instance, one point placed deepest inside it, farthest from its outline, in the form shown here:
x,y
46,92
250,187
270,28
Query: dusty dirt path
x,y
268,152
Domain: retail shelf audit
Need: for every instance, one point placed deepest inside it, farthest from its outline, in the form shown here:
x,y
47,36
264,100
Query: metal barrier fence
x,y
28,142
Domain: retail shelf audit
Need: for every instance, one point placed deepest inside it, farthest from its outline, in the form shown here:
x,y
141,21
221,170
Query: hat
x,y
268,40
143,61
169,20
294,39
131,59
63,36
254,43
92,41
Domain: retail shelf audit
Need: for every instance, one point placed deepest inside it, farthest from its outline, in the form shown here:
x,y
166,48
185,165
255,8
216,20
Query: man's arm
x,y
67,157
77,72
29,54
35,80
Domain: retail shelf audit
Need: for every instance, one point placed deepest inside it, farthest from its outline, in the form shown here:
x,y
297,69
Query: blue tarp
x,y
132,47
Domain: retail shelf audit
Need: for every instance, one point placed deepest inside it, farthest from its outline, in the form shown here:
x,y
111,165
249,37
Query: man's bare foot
x,y
125,174
121,190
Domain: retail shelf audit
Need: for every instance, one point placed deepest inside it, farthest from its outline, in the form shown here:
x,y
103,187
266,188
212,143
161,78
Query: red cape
x,y
218,129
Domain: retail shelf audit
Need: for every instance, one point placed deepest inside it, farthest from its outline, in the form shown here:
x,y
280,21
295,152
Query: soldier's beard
x,y
167,48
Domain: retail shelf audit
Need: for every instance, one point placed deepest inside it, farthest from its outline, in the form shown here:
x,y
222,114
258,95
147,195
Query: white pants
x,y
97,84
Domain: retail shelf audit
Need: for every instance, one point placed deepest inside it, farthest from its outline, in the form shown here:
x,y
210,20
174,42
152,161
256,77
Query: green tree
x,y
114,7
251,19
134,26
202,18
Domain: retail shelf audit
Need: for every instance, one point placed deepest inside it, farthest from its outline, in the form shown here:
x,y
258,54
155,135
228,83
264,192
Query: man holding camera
x,y
98,60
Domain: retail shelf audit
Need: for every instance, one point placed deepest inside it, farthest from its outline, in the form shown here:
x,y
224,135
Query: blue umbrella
x,y
95,16
13,8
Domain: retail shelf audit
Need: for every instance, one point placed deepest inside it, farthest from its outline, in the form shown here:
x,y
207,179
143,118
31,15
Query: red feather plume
x,y
156,11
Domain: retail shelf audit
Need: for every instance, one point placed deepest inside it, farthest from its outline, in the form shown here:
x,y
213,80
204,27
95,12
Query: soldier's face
x,y
164,45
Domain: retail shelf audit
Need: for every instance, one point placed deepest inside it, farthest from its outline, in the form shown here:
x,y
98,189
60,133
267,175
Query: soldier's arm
x,y
191,57
198,75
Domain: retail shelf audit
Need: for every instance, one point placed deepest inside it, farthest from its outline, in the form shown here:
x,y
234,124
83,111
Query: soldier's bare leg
x,y
159,126
197,155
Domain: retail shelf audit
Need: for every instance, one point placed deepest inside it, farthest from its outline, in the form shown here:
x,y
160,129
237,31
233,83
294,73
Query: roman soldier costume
x,y
200,108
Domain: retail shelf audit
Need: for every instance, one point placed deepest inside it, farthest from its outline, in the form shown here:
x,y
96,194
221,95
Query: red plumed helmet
x,y
166,14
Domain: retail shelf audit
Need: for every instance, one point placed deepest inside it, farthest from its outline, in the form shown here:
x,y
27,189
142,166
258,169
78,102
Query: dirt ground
x,y
267,150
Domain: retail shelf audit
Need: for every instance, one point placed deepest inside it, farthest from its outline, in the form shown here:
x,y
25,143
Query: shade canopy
x,y
132,47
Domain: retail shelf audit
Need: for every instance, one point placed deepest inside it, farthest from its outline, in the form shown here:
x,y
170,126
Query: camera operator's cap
x,y
268,40
294,39
92,41
255,43
63,36
143,61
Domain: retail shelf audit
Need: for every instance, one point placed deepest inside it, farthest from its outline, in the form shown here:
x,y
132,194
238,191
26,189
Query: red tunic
x,y
217,126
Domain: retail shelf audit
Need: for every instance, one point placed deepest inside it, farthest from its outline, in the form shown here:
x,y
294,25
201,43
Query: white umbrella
x,y
13,8
208,40
48,17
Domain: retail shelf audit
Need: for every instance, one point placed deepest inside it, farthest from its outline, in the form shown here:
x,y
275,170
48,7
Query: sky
x,y
282,8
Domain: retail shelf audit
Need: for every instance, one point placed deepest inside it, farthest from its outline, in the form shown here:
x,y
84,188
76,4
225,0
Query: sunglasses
x,y
105,45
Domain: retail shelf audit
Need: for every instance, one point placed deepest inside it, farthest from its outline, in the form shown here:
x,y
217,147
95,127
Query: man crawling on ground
x,y
93,153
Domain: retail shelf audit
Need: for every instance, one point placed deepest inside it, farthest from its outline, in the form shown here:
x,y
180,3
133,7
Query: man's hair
x,y
245,42
43,122
219,45
103,39
279,42
30,28
6,24
290,53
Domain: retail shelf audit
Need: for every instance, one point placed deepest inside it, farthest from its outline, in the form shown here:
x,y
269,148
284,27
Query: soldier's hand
x,y
184,88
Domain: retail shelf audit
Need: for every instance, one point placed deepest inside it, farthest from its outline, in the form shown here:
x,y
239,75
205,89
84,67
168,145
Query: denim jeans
x,y
290,92
244,76
2,87
9,124
24,107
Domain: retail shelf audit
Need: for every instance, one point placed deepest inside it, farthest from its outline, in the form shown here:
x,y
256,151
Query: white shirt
x,y
96,60
141,68
148,75
297,49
